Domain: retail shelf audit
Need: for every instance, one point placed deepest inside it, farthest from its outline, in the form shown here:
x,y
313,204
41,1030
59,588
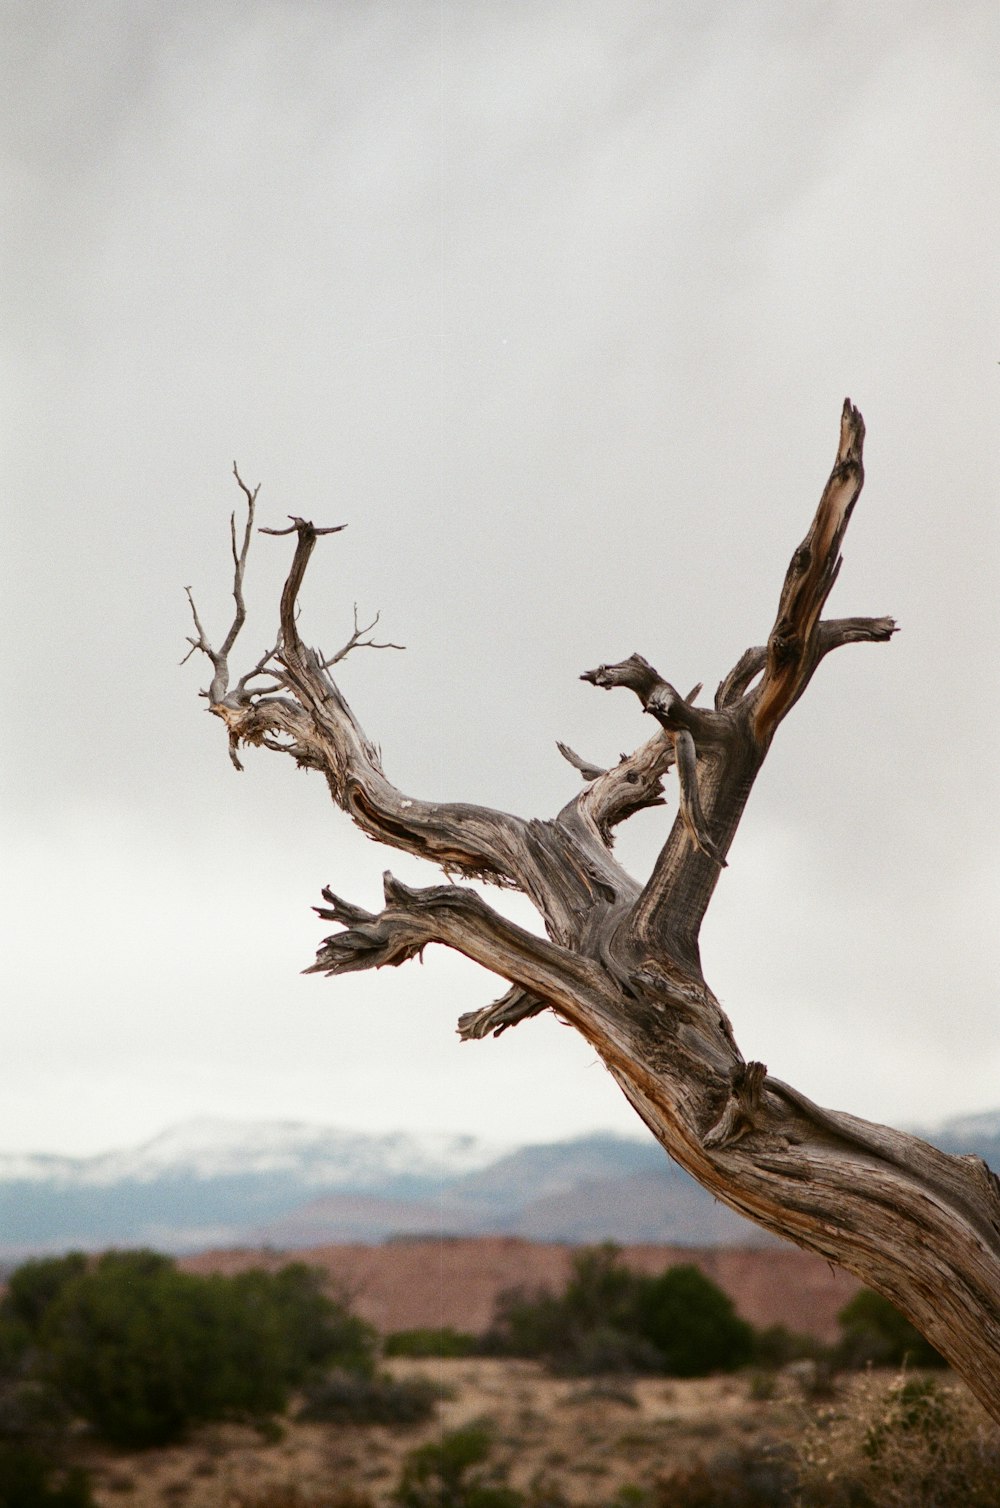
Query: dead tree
x,y
620,959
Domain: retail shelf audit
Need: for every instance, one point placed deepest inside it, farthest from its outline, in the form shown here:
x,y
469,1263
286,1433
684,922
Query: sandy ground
x,y
588,1438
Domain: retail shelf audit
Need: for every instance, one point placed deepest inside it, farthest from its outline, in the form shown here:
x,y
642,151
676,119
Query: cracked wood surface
x,y
620,960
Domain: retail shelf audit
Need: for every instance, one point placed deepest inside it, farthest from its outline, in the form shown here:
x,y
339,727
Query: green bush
x,y
317,1331
28,1479
875,1333
31,1409
443,1342
31,1290
590,1327
776,1346
610,1319
355,1398
452,1473
34,1287
613,1320
692,1323
141,1350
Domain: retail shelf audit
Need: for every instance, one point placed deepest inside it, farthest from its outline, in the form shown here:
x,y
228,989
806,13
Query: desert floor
x,y
587,1438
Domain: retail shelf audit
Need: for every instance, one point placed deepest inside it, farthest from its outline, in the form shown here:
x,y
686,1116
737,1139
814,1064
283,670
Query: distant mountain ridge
x,y
216,1148
211,1183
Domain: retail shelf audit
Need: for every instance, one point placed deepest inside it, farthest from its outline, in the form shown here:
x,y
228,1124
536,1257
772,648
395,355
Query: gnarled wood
x,y
620,961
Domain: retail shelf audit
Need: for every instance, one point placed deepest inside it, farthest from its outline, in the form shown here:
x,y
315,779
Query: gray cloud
x,y
556,306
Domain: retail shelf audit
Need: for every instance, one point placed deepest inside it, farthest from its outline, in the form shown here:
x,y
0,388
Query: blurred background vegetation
x,y
132,1351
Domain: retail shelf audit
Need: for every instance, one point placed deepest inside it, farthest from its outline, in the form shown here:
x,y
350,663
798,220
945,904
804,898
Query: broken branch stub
x,y
620,958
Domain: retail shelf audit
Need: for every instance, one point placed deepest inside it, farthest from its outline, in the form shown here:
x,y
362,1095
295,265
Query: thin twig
x,y
357,641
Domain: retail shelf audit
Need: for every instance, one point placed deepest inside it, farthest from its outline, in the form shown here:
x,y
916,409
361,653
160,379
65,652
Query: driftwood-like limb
x,y
493,1020
587,770
461,919
813,570
620,962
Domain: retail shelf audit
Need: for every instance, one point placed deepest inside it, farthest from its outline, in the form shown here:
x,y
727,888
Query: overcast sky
x,y
555,303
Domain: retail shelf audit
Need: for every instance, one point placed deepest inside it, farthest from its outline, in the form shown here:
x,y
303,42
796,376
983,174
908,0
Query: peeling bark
x,y
620,960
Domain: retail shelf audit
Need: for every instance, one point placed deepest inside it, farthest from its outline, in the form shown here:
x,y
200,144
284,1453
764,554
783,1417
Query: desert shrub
x,y
526,1323
692,1323
29,1479
762,1385
453,1473
738,1480
133,1346
443,1342
917,1408
141,1350
875,1333
30,1291
31,1409
917,1444
34,1418
290,1325
34,1286
776,1346
319,1331
359,1398
610,1319
590,1327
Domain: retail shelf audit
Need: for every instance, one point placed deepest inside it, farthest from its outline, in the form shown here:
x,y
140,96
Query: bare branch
x,y
358,641
461,919
744,672
831,633
588,771
262,667
808,582
339,910
671,710
493,1020
220,657
239,564
835,632
299,524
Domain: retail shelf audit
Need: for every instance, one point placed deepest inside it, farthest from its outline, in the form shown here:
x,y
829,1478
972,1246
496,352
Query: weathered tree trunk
x,y
621,960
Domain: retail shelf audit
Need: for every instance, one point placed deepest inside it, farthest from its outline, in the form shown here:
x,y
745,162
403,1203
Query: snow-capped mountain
x,y
224,1183
210,1148
213,1182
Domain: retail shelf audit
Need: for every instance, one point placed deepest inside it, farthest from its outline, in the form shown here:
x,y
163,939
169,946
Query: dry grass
x,y
918,1442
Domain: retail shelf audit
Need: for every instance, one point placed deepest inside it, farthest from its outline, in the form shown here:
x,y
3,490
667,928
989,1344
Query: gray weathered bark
x,y
620,961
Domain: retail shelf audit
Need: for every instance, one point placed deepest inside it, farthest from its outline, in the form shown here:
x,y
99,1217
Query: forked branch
x,y
220,657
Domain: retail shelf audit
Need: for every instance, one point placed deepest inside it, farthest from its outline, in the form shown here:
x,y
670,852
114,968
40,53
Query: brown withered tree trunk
x,y
620,961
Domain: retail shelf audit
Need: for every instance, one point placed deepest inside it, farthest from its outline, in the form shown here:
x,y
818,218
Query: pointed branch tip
x,y
304,526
